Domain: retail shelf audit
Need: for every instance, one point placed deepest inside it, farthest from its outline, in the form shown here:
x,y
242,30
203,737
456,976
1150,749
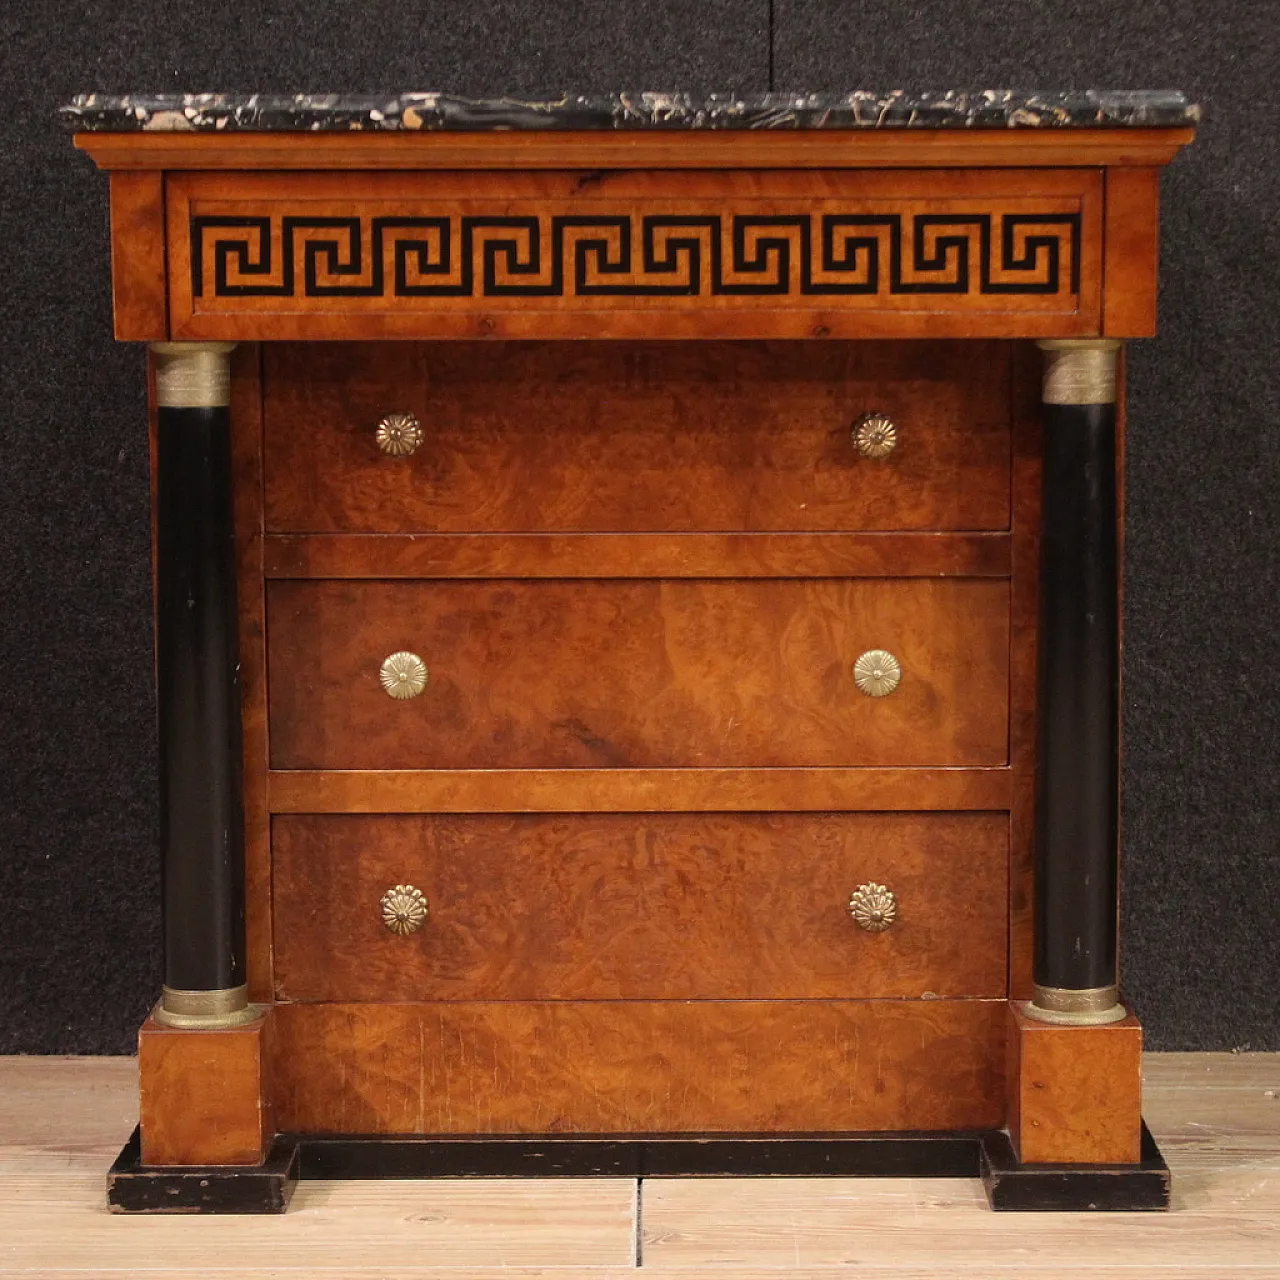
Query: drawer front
x,y
627,1066
629,437
760,254
628,906
555,674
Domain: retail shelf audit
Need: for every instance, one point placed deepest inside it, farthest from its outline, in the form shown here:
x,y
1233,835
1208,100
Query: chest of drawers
x,y
637,636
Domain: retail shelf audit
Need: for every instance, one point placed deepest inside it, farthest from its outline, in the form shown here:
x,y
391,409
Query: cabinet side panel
x,y
246,442
1023,628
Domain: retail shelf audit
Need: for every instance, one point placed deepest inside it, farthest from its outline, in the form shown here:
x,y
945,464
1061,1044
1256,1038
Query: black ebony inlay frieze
x,y
621,255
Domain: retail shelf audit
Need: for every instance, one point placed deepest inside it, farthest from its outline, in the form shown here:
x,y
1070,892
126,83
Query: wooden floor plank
x,y
1216,1115
939,1224
58,1221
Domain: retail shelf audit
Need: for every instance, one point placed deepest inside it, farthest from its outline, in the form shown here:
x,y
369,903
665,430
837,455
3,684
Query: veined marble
x,y
858,109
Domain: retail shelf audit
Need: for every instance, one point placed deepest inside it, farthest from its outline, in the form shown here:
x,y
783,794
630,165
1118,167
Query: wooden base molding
x,y
1075,1093
266,1189
205,1095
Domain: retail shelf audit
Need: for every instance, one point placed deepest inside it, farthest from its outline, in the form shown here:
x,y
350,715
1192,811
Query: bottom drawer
x,y
640,1067
640,906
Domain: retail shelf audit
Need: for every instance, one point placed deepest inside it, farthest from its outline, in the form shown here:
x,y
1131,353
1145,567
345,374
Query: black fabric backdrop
x,y
79,916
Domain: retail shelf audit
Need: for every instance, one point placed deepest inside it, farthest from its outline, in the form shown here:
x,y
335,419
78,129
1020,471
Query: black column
x,y
1077,791
197,672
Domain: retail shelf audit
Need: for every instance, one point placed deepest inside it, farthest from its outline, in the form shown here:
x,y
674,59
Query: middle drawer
x,y
638,673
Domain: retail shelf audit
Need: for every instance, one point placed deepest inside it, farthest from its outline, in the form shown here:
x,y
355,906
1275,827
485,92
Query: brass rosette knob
x,y
873,907
877,673
403,675
875,435
399,434
404,909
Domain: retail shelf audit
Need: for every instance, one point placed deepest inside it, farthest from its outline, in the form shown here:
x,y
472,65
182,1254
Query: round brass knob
x,y
399,434
875,435
873,907
404,909
877,673
403,674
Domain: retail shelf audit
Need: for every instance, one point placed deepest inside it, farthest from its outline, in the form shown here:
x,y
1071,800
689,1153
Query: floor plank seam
x,y
637,1248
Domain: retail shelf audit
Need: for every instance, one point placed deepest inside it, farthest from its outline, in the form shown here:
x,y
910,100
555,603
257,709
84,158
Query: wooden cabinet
x,y
663,681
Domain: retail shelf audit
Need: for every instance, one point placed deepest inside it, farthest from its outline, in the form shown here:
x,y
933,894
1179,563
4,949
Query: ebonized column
x,y
198,692
1077,784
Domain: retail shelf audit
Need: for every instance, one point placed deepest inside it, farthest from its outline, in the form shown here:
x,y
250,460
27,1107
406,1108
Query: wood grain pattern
x,y
139,285
785,149
205,1096
616,674
636,437
1023,663
1075,1093
635,790
246,461
1215,1115
634,1066
593,255
659,907
1131,259
638,555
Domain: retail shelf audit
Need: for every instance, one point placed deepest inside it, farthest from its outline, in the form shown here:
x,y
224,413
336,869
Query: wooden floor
x,y
1217,1116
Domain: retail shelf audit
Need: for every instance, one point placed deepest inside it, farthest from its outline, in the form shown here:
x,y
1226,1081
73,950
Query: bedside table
x,y
638,634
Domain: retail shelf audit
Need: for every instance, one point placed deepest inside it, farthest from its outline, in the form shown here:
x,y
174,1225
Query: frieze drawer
x,y
633,437
632,907
640,673
582,255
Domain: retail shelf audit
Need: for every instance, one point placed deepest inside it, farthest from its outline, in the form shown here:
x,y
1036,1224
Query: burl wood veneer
x,y
747,584
206,1099
636,437
640,907
638,673
634,1066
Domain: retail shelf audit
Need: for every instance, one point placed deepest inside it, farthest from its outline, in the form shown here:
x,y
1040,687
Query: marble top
x,y
858,109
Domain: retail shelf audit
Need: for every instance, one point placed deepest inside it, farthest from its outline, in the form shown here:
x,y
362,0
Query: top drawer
x,y
526,437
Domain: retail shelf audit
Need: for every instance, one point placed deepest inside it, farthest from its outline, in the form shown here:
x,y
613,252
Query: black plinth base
x,y
133,1188
1073,1188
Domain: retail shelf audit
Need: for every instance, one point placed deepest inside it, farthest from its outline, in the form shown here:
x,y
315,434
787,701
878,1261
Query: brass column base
x,y
205,1010
1063,1007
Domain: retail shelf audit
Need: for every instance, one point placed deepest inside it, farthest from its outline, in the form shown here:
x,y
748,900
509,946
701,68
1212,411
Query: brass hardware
x,y
1067,1007
205,1010
403,675
877,673
1079,370
873,907
192,375
399,434
875,435
404,909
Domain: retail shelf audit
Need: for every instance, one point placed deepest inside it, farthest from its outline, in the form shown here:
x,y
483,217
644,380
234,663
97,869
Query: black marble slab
x,y
859,109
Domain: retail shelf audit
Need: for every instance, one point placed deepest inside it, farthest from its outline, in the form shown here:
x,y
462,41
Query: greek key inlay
x,y
625,255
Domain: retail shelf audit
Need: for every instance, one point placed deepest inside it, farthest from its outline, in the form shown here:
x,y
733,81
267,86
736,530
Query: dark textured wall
x,y
79,928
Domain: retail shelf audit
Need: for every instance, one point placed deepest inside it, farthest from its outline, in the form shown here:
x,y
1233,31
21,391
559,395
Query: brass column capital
x,y
192,375
1079,370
